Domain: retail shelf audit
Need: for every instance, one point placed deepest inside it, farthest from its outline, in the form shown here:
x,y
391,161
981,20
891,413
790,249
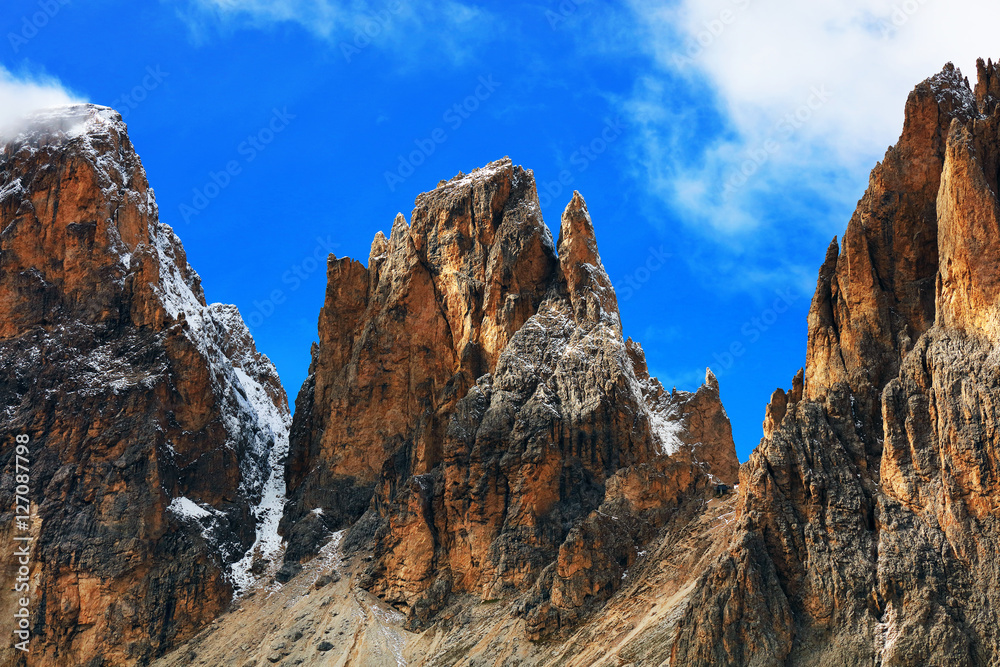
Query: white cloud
x,y
746,68
869,53
447,28
19,96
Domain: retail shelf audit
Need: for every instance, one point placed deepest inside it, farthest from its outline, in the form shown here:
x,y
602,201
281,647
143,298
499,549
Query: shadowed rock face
x,y
473,398
151,415
868,514
402,341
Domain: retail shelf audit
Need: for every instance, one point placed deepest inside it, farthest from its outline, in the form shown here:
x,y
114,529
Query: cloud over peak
x,y
759,121
22,95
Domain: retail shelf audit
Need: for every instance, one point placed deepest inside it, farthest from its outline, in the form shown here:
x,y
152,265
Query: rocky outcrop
x,y
402,341
473,396
596,507
868,511
154,423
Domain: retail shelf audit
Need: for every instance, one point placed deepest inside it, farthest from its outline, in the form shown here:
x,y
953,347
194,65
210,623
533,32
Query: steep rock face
x,y
864,530
871,499
155,424
938,514
501,406
876,296
403,340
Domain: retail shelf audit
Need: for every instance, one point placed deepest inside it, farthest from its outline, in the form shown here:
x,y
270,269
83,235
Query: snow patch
x,y
479,174
188,509
668,428
950,86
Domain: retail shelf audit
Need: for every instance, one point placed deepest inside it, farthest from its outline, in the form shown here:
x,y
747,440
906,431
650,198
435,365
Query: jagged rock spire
x,y
587,282
481,397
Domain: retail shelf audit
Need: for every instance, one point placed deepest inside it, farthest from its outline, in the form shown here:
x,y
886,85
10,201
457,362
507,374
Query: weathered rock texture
x,y
474,411
868,516
154,422
543,524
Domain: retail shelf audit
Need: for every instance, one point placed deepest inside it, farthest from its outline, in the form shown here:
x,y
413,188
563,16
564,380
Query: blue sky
x,y
720,144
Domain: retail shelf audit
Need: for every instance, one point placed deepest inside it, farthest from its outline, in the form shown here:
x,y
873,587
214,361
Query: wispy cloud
x,y
762,57
756,114
318,16
423,30
22,94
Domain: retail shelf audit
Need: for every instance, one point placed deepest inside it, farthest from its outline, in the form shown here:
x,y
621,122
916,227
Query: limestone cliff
x,y
472,409
567,511
869,509
154,423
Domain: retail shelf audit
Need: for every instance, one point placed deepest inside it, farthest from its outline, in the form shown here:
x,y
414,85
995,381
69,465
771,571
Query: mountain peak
x,y
166,424
496,169
65,123
987,85
477,349
587,281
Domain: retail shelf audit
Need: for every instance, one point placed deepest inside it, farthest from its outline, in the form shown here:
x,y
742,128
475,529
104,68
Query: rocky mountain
x,y
474,414
480,469
868,516
525,495
156,428
479,461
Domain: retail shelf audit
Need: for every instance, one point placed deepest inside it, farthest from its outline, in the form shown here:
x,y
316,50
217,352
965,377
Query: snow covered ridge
x,y
247,382
238,375
96,133
76,120
665,415
253,407
64,125
949,85
485,173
